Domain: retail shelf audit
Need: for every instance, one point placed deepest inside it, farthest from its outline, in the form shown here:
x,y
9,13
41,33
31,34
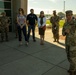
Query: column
x,y
16,4
24,5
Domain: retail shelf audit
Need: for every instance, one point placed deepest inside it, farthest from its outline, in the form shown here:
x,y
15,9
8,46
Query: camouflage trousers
x,y
55,33
71,55
4,33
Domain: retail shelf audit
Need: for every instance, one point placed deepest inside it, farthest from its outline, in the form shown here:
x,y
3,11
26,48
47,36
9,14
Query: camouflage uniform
x,y
55,27
70,43
4,27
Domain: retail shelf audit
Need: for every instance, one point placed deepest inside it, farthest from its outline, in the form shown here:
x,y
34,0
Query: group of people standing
x,y
68,30
30,21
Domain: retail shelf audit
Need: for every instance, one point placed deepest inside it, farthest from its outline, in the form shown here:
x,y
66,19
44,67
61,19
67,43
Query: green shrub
x,y
61,23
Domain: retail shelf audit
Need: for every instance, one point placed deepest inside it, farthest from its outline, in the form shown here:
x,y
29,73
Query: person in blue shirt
x,y
31,22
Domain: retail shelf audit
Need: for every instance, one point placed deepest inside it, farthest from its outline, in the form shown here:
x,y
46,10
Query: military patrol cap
x,y
69,12
54,11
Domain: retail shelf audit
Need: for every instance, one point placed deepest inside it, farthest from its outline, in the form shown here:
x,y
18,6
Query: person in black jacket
x,y
31,22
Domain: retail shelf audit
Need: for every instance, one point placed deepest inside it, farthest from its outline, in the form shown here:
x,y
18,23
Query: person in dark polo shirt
x,y
31,22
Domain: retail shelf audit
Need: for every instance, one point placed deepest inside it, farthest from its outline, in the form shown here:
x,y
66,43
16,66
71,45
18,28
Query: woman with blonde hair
x,y
42,26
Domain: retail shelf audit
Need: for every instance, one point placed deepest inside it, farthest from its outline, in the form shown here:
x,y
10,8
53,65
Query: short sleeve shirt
x,y
21,19
31,18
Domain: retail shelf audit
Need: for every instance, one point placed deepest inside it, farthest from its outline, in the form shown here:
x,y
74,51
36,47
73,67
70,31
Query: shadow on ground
x,y
36,59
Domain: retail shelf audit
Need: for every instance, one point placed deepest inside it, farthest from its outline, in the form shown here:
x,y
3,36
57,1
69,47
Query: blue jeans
x,y
31,27
24,33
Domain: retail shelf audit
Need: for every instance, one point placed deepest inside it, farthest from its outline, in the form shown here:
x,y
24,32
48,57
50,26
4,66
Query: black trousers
x,y
24,33
31,27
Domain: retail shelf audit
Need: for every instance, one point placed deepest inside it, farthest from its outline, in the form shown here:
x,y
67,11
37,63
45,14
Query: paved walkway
x,y
35,59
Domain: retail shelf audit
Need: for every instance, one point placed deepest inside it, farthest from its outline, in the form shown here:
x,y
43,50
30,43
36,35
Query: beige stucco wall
x,y
24,5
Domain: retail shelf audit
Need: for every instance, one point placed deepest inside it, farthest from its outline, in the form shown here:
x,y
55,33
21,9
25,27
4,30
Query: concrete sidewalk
x,y
49,59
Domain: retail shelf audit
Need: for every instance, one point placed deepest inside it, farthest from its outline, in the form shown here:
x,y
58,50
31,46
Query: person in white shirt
x,y
42,26
21,25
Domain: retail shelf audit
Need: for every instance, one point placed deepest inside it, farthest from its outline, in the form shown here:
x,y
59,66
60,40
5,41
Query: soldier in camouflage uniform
x,y
4,26
55,26
69,30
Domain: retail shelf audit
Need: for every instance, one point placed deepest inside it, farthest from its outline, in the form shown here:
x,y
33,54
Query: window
x,y
5,6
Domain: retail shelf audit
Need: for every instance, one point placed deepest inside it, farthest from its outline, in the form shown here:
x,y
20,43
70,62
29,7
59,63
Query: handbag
x,y
44,27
